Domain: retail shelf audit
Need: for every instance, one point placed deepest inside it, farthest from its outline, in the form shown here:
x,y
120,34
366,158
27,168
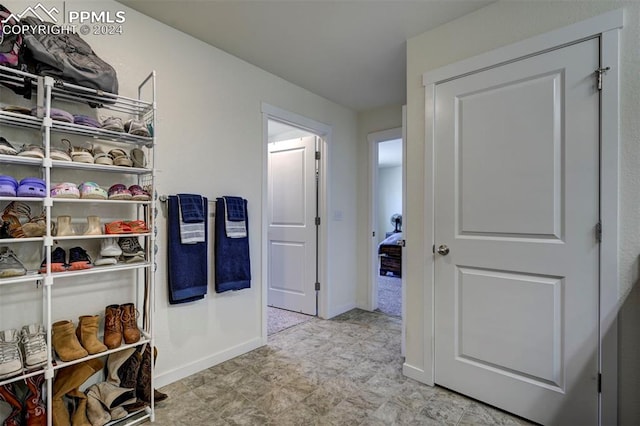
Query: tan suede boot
x,y
112,326
67,381
65,341
129,326
87,333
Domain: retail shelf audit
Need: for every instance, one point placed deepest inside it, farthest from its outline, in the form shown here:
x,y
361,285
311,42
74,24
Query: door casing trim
x,y
607,27
324,131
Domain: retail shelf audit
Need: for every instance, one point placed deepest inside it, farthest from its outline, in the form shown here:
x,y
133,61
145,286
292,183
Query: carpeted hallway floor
x,y
390,295
281,319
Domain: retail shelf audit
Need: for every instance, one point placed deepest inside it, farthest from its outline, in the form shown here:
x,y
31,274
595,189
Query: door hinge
x,y
599,73
599,382
317,286
433,249
599,232
317,155
373,234
317,221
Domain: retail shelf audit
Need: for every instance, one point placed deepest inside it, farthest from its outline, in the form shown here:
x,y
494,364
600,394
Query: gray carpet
x,y
280,319
390,295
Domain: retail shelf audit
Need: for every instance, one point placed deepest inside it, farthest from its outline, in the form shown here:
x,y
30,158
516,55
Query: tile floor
x,y
344,371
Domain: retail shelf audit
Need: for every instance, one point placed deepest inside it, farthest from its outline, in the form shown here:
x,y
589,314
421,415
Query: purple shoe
x,y
85,120
8,186
56,114
32,187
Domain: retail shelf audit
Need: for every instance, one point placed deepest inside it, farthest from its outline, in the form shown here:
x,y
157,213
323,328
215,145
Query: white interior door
x,y
291,221
517,172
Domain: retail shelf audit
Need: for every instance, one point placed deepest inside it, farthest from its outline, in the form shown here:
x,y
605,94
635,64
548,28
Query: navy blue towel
x,y
192,208
236,209
233,267
187,263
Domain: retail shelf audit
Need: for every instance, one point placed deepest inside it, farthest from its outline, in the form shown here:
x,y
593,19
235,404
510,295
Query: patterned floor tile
x,y
344,371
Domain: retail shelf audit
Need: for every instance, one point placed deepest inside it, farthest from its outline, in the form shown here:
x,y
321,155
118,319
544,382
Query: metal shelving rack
x,y
46,90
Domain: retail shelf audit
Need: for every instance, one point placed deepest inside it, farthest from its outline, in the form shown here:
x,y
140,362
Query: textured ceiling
x,y
351,52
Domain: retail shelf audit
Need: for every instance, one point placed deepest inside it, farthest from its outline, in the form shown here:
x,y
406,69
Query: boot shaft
x,y
87,334
8,395
36,413
65,342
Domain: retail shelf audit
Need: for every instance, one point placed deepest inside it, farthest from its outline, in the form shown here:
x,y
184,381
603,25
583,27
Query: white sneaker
x,y
10,356
34,344
105,261
109,248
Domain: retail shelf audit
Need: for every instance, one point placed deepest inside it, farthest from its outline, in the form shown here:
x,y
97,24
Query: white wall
x,y
209,142
389,198
500,24
371,121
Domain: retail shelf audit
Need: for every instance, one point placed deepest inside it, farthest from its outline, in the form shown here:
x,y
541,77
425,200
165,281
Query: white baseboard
x,y
186,370
341,310
416,373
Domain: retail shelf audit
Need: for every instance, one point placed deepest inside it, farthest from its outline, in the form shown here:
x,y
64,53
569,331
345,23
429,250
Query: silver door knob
x,y
443,250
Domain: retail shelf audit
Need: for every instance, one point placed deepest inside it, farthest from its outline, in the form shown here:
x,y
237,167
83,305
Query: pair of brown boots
x,y
119,323
71,346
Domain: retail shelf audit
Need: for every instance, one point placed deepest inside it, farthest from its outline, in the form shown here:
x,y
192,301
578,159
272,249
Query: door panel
x,y
291,225
516,202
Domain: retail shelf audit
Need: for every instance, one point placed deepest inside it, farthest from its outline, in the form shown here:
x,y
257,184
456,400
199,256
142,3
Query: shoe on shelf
x,y
105,261
119,192
113,123
120,157
138,158
117,227
93,226
35,345
100,156
132,259
6,148
109,248
65,342
10,356
130,247
58,261
139,194
8,186
83,153
91,190
10,265
61,154
130,330
79,259
137,226
64,227
65,190
32,187
32,151
136,127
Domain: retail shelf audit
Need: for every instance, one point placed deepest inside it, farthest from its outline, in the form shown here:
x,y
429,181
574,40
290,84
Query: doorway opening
x,y
389,227
387,156
293,180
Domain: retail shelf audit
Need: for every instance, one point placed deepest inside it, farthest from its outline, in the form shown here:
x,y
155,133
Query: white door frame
x,y
324,131
372,289
606,27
